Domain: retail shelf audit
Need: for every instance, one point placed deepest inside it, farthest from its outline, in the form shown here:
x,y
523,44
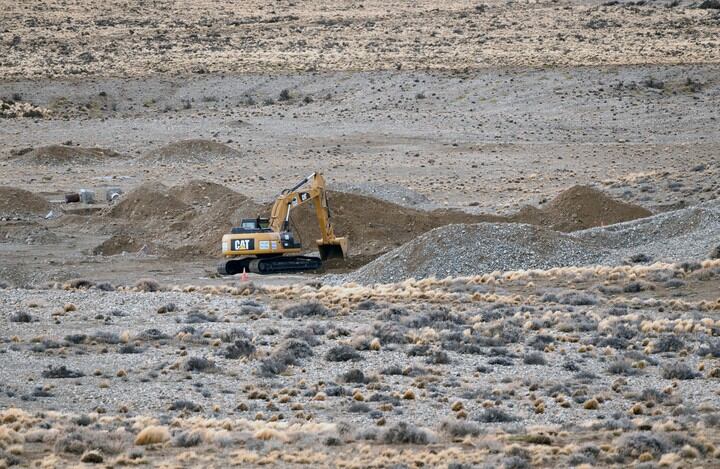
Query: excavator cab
x,y
253,225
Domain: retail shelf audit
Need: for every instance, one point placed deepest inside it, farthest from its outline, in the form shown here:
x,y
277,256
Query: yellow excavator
x,y
268,246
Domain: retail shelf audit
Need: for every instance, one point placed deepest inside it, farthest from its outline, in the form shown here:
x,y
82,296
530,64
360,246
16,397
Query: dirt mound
x,y
149,203
200,192
63,154
373,226
578,208
203,233
26,232
185,220
190,151
119,244
461,250
15,202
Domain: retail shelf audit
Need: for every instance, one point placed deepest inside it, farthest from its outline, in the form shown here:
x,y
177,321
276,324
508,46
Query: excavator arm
x,y
330,246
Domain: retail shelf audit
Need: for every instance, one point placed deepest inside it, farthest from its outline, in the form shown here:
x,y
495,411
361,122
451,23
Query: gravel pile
x,y
681,235
459,250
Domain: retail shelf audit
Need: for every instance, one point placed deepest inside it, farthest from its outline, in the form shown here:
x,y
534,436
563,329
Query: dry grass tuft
x,y
152,435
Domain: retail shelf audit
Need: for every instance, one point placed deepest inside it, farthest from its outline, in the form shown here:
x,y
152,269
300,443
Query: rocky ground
x,y
530,192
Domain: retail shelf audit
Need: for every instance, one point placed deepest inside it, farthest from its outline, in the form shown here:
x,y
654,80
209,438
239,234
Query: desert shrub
x,y
393,314
241,348
459,428
393,370
342,353
187,439
197,317
198,364
649,394
312,308
405,433
634,287
515,462
678,370
185,405
534,358
639,258
710,347
578,299
634,444
80,284
75,338
285,354
617,343
166,308
234,334
147,285
495,415
440,320
152,334
78,442
307,334
284,95
129,349
621,367
389,333
21,316
585,376
61,372
715,252
570,366
418,351
295,348
354,376
500,361
438,357
251,307
105,337
359,408
540,341
105,286
367,305
668,343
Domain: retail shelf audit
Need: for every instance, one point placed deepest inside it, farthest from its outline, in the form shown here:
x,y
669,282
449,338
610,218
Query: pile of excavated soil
x,y
150,203
373,226
197,192
26,232
119,244
188,219
689,234
190,151
19,202
63,154
578,208
203,233
458,250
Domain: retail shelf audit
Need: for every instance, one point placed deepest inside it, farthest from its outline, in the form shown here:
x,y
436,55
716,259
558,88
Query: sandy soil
x,y
121,346
111,38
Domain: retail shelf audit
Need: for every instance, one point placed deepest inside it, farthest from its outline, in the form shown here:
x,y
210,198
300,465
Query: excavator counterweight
x,y
268,246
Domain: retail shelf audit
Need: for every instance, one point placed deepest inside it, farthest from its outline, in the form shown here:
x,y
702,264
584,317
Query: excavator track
x,y
270,265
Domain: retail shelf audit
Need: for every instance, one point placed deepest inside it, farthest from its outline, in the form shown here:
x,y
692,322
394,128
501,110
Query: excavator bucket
x,y
335,249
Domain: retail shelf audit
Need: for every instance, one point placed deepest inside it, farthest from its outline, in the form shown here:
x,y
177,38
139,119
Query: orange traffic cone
x,y
244,276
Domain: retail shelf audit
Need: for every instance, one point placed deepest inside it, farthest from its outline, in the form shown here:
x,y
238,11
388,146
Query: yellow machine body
x,y
269,246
